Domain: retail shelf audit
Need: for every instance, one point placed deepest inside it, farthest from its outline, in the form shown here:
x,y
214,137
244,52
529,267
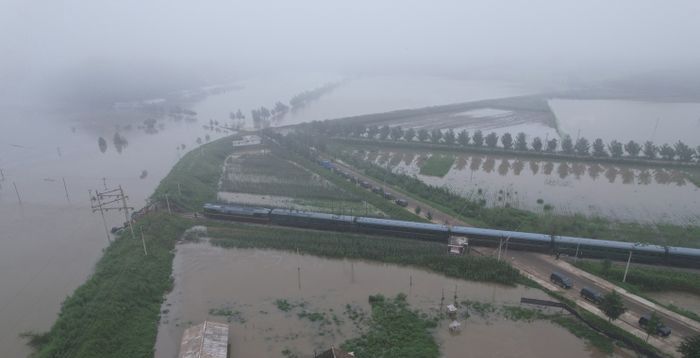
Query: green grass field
x,y
437,165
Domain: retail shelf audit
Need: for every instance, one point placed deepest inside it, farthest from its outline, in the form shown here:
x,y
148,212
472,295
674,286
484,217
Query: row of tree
x,y
581,146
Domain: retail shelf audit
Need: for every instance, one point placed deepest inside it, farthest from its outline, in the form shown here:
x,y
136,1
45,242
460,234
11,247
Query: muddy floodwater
x,y
354,96
50,241
246,283
625,192
629,120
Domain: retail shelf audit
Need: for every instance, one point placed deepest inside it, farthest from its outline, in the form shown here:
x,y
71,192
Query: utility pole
x,y
110,200
629,259
167,201
98,201
65,187
2,175
17,192
143,241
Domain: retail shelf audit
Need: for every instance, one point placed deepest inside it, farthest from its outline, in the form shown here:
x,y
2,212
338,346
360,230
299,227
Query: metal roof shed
x,y
205,340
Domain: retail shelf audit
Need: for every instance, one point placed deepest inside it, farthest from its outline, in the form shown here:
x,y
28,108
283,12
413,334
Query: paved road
x,y
538,267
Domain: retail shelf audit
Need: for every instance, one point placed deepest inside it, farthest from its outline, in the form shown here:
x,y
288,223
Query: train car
x,y
683,256
411,229
237,213
514,239
607,249
312,220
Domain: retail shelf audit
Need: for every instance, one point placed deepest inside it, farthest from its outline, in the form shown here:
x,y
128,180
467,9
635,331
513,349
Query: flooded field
x,y
268,296
629,120
625,192
355,96
50,242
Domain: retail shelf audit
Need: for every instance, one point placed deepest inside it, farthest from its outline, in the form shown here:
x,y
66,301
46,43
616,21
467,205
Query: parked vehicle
x,y
389,196
401,202
662,330
377,190
591,295
365,184
561,280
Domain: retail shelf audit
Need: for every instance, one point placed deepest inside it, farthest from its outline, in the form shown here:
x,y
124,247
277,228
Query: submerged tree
x,y
582,146
667,152
103,144
396,133
685,153
552,145
537,144
633,148
463,138
507,141
567,145
650,150
478,138
521,142
423,135
491,140
615,149
436,135
409,134
384,132
372,132
599,148
449,137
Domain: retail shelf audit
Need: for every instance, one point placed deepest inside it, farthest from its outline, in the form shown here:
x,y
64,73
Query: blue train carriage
x,y
683,256
607,249
410,229
514,240
312,220
237,213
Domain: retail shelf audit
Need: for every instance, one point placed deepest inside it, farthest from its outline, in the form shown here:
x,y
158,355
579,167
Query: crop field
x,y
263,178
437,165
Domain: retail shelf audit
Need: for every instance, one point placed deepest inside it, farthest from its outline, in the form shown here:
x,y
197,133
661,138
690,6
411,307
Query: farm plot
x,y
265,179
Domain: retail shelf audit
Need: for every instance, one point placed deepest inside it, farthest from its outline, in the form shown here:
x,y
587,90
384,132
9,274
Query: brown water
x,y
48,244
625,192
249,281
629,120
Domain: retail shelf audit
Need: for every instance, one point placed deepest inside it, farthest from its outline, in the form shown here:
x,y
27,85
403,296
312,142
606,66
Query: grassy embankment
x,y
508,218
115,312
422,254
644,280
437,165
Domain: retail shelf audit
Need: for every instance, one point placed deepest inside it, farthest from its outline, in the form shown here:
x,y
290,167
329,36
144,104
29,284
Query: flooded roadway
x,y
248,282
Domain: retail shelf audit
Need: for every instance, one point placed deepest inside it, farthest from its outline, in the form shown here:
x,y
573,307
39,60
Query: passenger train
x,y
567,245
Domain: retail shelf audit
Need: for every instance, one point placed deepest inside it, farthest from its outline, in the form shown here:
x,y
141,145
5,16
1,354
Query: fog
x,y
94,50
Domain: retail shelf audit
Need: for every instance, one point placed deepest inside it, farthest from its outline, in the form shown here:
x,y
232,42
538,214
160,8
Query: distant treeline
x,y
581,147
303,98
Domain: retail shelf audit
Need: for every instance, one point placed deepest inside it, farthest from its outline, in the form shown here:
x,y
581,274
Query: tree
x,y
478,138
615,149
491,140
667,152
537,144
685,153
567,145
612,306
650,150
521,142
429,215
409,134
423,135
372,132
449,137
653,325
599,148
239,114
690,347
463,138
582,146
436,135
507,141
552,145
396,133
103,144
384,132
633,148
199,140
417,210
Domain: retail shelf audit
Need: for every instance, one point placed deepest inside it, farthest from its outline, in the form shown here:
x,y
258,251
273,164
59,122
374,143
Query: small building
x,y
335,353
457,245
205,340
455,327
452,310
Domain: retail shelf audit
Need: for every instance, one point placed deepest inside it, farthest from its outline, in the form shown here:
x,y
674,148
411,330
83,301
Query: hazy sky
x,y
43,39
